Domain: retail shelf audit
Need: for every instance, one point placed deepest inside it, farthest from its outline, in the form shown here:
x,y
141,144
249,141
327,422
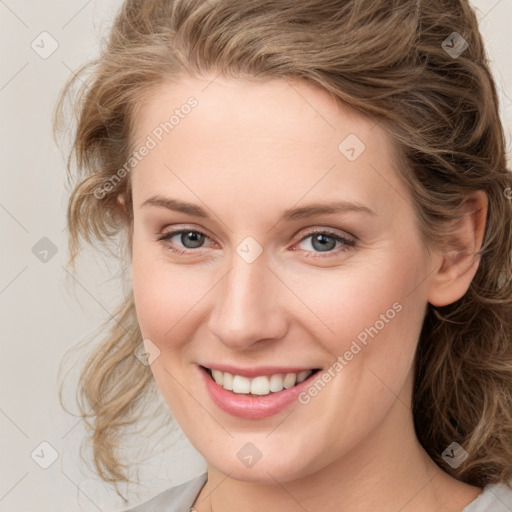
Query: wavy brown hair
x,y
389,60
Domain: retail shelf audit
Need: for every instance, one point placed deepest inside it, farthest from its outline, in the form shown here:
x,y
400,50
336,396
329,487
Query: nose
x,y
247,308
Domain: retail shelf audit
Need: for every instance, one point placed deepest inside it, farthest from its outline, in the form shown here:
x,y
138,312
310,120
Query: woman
x,y
316,204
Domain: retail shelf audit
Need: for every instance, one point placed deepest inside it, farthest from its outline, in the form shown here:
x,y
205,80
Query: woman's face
x,y
290,245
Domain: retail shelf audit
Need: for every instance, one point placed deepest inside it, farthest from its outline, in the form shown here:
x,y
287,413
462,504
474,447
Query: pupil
x,y
322,240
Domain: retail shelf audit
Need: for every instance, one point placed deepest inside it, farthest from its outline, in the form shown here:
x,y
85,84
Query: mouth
x,y
259,385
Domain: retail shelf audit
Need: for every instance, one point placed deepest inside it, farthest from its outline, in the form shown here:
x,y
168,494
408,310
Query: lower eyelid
x,y
166,237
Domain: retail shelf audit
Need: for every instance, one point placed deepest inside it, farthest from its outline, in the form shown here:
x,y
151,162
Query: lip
x,y
254,407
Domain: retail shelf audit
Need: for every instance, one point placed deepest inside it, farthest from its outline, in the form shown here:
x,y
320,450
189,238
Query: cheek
x,y
164,303
370,292
164,300
162,294
371,315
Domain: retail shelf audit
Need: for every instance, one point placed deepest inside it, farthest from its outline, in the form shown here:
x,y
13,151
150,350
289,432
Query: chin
x,y
277,466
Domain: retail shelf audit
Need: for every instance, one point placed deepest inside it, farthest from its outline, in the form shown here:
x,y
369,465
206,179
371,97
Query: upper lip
x,y
257,371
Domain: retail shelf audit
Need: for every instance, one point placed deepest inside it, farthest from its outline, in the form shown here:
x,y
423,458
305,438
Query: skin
x,y
246,153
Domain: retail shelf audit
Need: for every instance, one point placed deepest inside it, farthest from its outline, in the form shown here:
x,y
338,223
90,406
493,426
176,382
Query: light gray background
x,y
42,314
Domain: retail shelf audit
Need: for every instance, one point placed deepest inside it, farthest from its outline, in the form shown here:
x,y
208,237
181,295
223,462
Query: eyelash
x,y
347,242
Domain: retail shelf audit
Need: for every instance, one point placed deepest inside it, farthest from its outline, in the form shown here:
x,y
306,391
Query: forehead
x,y
280,139
293,110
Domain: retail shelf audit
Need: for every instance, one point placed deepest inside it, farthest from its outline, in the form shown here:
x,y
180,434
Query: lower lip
x,y
253,407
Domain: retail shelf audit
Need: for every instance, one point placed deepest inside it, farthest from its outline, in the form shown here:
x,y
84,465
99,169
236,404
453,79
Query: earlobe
x,y
458,263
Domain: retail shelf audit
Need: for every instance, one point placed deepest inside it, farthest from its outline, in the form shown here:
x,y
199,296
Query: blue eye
x,y
324,241
189,238
321,241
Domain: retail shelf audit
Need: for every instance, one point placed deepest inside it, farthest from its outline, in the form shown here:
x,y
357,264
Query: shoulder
x,y
494,498
175,499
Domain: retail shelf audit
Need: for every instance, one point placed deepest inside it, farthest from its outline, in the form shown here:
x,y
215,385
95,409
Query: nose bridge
x,y
246,304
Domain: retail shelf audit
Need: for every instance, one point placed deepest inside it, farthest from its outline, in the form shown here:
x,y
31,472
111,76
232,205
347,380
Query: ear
x,y
458,262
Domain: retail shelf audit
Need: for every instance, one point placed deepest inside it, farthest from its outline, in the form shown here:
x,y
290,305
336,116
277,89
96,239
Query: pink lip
x,y
251,406
255,372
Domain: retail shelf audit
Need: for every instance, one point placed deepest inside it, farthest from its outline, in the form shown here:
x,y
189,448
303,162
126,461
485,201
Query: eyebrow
x,y
290,214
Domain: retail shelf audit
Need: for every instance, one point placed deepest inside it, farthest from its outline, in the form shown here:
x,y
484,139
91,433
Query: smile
x,y
259,385
259,393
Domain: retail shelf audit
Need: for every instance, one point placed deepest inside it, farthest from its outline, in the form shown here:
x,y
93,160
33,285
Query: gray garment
x,y
176,499
494,498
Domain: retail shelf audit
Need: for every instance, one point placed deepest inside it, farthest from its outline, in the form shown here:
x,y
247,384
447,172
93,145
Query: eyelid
x,y
328,231
310,230
180,228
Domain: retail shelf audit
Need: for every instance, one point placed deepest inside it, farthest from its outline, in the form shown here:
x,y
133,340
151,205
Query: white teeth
x,y
261,385
241,384
218,376
227,382
276,383
289,380
302,376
